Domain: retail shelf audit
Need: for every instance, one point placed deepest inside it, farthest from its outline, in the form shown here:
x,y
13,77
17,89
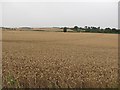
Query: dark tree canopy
x,y
76,28
65,29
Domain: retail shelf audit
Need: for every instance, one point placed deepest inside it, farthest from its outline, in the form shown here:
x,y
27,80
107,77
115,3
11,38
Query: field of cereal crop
x,y
59,60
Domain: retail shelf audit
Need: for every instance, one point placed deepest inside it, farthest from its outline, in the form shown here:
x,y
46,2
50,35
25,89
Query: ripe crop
x,y
59,60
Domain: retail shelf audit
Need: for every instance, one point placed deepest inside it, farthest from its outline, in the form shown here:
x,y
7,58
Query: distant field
x,y
59,60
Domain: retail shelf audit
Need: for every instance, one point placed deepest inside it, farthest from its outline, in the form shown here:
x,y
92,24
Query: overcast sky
x,y
47,14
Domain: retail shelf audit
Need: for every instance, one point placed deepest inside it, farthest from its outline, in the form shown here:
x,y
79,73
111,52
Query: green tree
x,y
65,29
108,30
76,28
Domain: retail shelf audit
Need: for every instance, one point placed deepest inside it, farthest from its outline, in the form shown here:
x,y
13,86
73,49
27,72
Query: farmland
x,y
59,60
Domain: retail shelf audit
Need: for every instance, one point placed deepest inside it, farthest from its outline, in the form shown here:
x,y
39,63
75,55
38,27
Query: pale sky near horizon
x,y
53,14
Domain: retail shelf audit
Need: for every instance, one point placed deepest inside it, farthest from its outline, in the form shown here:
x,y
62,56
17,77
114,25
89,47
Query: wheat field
x,y
33,59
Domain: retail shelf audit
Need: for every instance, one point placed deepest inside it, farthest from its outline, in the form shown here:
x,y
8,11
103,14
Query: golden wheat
x,y
59,60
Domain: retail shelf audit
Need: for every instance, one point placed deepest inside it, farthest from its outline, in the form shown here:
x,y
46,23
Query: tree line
x,y
92,29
